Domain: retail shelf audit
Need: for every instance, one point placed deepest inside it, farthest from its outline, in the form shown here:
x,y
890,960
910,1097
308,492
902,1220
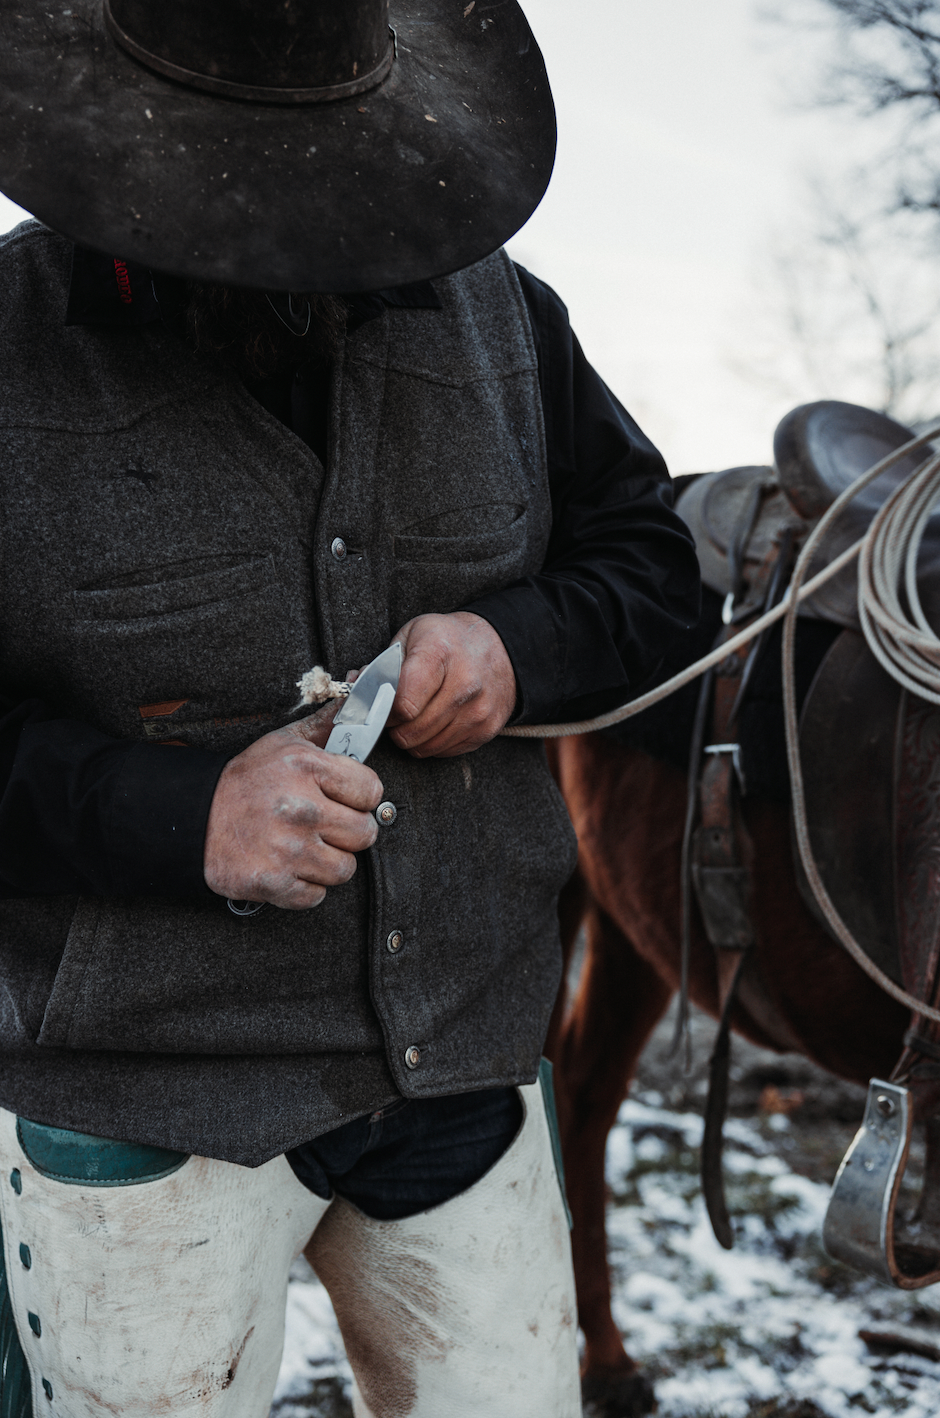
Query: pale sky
x,y
682,155
682,152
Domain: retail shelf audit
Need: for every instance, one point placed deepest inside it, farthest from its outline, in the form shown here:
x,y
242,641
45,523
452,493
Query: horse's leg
x,y
620,1000
571,907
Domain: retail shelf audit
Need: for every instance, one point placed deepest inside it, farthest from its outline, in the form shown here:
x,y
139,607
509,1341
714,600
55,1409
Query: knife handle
x,y
245,908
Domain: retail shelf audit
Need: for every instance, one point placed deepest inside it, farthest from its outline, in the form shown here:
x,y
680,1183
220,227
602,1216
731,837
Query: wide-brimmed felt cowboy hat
x,y
289,144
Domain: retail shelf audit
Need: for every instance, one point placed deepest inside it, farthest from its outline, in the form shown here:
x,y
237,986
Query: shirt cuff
x,y
157,827
532,635
565,661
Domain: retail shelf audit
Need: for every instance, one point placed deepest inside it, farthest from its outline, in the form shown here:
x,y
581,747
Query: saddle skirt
x,y
871,761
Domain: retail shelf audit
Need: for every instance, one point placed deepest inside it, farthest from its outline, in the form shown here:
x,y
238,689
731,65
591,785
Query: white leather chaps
x,y
167,1297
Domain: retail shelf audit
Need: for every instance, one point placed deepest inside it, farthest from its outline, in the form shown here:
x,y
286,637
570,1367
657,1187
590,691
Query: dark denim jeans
x,y
413,1154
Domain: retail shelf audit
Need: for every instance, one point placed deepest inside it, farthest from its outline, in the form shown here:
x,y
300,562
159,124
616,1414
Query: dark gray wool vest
x,y
166,541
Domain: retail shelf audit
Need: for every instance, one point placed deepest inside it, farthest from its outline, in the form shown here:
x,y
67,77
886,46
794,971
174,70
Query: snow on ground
x,y
770,1328
315,1377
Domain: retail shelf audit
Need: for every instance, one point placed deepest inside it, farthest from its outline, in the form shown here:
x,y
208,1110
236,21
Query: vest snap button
x,y
395,941
338,548
385,814
412,1056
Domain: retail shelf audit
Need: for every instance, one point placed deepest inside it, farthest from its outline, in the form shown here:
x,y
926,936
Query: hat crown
x,y
307,48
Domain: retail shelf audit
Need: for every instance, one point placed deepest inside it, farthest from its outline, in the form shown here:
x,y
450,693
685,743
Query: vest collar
x,y
107,291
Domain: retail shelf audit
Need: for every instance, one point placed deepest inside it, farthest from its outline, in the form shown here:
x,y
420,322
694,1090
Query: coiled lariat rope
x,y
908,649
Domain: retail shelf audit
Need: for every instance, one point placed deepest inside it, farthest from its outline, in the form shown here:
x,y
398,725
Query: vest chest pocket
x,y
178,587
449,559
224,632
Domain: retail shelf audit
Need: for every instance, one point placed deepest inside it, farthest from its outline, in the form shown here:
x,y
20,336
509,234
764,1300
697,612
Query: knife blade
x,y
360,721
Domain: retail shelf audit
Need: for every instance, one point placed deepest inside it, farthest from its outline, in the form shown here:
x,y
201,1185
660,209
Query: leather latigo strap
x,y
721,851
718,854
721,859
721,847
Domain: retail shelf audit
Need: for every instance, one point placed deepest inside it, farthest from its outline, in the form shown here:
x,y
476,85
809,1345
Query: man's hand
x,y
287,817
457,686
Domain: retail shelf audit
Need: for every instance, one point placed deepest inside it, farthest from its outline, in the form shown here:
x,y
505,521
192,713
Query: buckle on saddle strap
x,y
734,749
861,1226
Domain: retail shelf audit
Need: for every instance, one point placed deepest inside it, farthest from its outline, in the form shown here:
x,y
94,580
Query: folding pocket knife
x,y
357,724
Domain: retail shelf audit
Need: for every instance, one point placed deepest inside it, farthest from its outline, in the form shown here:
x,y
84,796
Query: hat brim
x,y
428,172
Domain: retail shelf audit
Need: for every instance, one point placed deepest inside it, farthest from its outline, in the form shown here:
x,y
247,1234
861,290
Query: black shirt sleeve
x,y
84,813
620,579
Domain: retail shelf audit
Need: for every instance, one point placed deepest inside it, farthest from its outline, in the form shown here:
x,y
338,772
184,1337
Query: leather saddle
x,y
741,519
871,761
859,734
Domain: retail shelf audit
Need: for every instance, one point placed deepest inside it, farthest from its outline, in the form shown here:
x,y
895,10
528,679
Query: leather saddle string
x,y
719,810
681,1032
730,963
723,692
740,538
780,568
726,845
716,1109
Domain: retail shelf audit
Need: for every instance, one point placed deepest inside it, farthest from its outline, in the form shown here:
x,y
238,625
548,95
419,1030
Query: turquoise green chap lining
x,y
548,1094
79,1158
82,1160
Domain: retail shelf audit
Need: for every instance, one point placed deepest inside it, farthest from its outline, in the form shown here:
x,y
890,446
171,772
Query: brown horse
x,y
800,992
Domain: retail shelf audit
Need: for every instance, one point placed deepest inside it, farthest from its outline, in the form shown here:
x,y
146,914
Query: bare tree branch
x,y
848,309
